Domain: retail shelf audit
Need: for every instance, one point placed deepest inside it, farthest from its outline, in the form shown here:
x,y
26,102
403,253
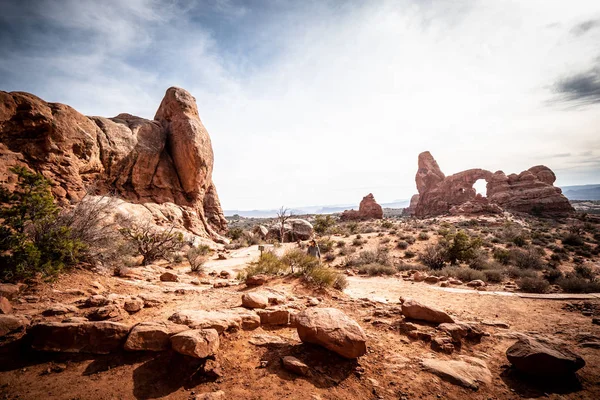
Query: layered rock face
x,y
164,165
531,191
368,209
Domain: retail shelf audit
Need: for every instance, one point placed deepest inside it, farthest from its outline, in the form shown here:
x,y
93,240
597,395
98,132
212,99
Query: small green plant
x,y
402,245
423,236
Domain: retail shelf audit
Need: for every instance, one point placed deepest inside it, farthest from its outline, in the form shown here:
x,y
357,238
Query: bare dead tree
x,y
282,216
152,242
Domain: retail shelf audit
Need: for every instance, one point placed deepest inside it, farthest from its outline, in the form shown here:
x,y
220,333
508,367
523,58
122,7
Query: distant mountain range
x,y
582,192
330,209
577,192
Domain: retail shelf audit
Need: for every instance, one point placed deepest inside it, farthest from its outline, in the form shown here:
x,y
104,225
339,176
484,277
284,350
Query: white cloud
x,y
325,102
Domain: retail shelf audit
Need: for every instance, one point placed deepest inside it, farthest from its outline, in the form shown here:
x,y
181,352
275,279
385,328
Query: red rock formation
x,y
531,191
368,209
165,164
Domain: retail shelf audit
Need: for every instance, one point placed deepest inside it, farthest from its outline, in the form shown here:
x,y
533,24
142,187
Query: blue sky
x,y
321,102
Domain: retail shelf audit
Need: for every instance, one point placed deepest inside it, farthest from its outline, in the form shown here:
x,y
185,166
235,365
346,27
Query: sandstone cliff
x,y
164,165
531,191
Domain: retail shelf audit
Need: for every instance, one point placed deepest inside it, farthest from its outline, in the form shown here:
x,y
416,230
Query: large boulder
x,y
543,357
11,324
152,336
198,343
293,229
163,166
83,337
368,209
332,329
415,310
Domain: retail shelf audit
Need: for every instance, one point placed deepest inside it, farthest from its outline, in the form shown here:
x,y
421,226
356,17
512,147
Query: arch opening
x,y
480,187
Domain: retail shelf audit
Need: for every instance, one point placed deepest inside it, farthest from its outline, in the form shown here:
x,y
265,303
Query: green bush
x,y
516,272
494,275
322,276
32,239
298,261
325,245
267,264
534,285
423,236
409,254
501,255
465,274
235,233
552,275
460,247
572,239
381,256
323,223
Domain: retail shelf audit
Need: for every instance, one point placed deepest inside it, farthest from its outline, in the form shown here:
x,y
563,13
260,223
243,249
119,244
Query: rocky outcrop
x,y
368,209
531,191
164,165
198,343
152,336
332,329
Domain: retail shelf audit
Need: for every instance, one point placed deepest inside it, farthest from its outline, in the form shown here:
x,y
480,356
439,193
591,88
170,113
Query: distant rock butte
x,y
368,209
164,165
532,191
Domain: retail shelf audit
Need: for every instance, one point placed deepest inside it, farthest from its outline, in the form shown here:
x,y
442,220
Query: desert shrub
x,y
357,242
33,240
267,264
298,261
325,245
433,256
402,245
572,239
323,223
376,269
533,285
423,236
340,282
235,233
577,284
409,254
513,233
516,272
380,256
494,275
410,239
411,267
151,242
385,240
341,243
197,256
322,276
530,258
329,257
584,271
552,275
465,274
501,255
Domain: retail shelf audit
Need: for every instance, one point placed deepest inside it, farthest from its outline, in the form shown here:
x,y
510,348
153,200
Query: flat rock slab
x,y
468,372
221,321
267,340
85,337
11,323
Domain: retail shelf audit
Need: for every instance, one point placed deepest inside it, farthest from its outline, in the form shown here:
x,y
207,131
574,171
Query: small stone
x,y
5,307
294,365
198,343
169,277
254,300
133,305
